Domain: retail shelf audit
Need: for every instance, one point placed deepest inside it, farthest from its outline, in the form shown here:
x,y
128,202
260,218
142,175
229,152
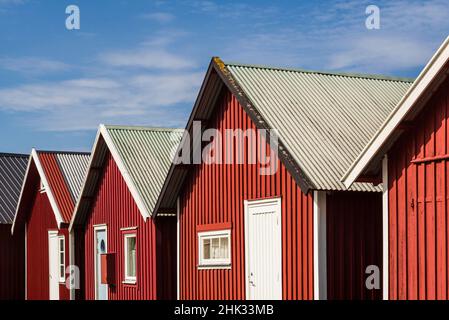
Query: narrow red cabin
x,y
126,254
12,248
49,191
411,153
281,226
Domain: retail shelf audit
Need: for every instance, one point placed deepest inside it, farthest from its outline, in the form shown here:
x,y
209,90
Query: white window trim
x,y
213,263
129,279
61,279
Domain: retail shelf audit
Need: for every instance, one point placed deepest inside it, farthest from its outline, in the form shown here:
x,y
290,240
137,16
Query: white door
x,y
263,237
53,264
100,248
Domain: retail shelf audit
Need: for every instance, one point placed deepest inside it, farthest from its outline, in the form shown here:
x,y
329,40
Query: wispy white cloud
x,y
147,85
147,58
160,17
153,53
32,65
80,104
334,36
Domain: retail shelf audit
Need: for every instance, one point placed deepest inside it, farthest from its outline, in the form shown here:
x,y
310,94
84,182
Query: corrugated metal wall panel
x,y
114,206
418,206
216,193
354,241
12,263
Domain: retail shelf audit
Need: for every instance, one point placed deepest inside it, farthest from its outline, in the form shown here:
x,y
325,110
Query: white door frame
x,y
53,234
100,227
247,204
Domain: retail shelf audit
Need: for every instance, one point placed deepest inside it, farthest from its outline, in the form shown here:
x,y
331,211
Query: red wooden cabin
x,y
297,233
12,248
411,153
49,191
126,254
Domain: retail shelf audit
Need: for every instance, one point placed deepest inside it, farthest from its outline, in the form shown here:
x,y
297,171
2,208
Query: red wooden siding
x,y
12,263
216,193
114,206
39,220
418,206
354,241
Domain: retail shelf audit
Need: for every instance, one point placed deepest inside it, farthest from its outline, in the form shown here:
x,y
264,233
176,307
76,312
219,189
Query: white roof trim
x,y
124,171
35,157
418,88
102,131
83,187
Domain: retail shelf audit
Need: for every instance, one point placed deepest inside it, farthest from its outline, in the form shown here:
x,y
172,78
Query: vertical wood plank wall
x,y
354,241
418,206
12,263
216,193
40,220
114,206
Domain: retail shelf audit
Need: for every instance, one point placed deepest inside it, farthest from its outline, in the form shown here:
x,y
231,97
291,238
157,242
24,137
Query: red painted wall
x,y
156,239
418,206
12,264
216,193
354,241
39,220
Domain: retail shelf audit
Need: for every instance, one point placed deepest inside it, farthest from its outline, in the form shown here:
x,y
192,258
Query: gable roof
x,y
12,171
323,119
60,173
430,78
143,156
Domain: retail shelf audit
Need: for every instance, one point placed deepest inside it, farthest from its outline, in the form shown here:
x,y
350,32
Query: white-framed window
x,y
214,248
61,258
130,241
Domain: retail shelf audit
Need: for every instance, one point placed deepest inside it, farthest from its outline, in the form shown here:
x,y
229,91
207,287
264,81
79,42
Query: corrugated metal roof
x,y
147,154
12,172
65,173
73,167
323,119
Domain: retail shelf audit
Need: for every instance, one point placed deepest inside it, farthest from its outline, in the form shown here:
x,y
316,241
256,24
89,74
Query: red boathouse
x,y
49,191
125,252
296,233
411,153
12,248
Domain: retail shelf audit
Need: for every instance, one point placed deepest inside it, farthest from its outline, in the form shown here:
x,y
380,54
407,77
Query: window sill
x,y
129,282
213,266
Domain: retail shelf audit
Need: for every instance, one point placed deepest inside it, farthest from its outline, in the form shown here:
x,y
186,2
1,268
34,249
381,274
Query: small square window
x,y
130,257
61,253
214,248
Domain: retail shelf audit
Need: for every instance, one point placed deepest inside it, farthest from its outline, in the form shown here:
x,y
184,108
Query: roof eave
x,y
415,92
231,83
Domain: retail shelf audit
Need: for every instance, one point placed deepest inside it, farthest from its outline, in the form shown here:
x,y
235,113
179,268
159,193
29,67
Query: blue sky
x,y
141,62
